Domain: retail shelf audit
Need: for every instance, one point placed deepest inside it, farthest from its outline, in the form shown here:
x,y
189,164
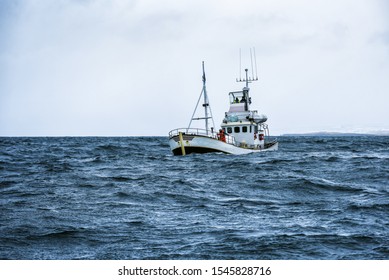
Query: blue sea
x,y
130,198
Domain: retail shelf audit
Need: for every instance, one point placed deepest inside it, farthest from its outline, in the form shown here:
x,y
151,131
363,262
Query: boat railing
x,y
201,132
271,143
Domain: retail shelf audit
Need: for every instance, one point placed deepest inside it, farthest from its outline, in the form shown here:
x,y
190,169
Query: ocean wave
x,y
239,201
7,183
322,184
373,206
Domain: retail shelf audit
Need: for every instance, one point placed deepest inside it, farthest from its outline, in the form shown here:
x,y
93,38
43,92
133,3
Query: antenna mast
x,y
240,65
252,67
248,79
254,72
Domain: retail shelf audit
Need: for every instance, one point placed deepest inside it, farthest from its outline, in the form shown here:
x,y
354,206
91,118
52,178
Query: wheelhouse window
x,y
236,97
244,129
236,129
229,129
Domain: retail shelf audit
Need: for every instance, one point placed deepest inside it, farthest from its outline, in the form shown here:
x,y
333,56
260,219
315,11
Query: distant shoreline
x,y
329,134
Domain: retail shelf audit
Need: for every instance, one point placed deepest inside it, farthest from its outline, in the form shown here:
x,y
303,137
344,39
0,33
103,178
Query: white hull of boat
x,y
205,144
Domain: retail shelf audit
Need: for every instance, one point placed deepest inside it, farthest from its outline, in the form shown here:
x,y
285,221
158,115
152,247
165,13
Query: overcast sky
x,y
128,67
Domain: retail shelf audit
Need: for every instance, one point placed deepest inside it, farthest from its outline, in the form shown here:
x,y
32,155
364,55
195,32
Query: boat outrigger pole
x,y
205,105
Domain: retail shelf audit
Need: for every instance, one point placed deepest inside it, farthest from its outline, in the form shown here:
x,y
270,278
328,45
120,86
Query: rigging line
x,y
194,112
210,111
255,60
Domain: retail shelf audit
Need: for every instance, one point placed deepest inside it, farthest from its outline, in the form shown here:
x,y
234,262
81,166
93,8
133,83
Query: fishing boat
x,y
242,131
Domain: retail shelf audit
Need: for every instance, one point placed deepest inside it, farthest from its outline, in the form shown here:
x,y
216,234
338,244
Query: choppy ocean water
x,y
130,198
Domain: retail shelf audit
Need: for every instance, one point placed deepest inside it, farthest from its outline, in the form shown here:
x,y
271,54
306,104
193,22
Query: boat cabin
x,y
243,124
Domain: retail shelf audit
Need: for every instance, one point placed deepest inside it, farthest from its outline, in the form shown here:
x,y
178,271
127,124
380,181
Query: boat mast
x,y
206,103
207,115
